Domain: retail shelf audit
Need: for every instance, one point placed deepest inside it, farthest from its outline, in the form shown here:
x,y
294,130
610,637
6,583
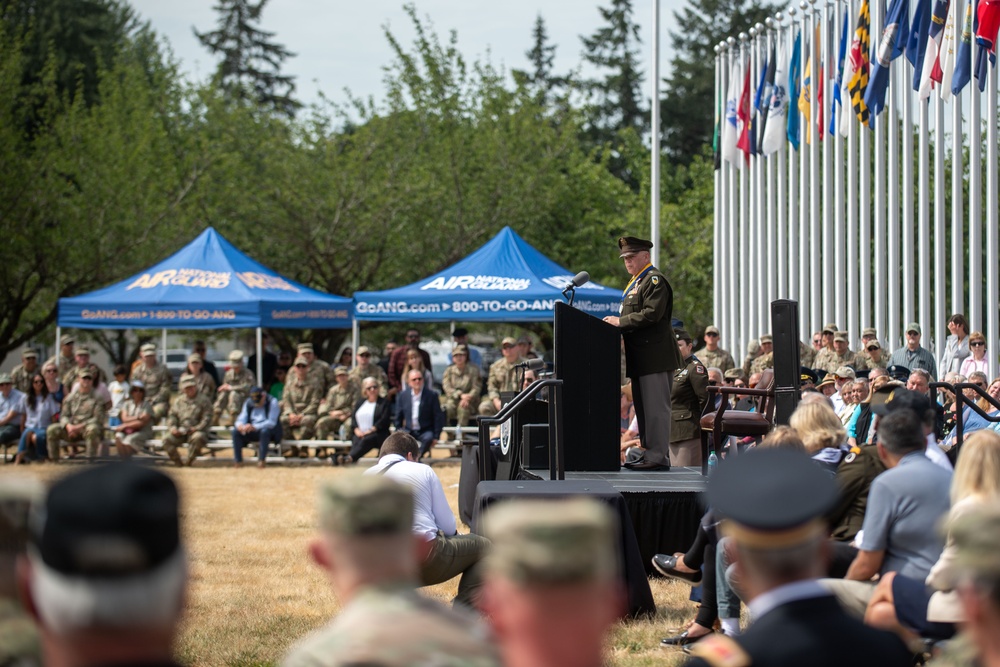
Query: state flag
x,y
986,35
777,107
947,53
763,100
838,100
916,46
729,151
794,83
963,57
859,64
935,38
890,47
743,115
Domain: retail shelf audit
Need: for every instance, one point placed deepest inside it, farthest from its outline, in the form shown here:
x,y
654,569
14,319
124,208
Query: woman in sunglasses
x,y
977,360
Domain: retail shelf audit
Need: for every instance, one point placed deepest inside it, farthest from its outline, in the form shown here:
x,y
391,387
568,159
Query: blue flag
x,y
916,46
963,55
755,113
793,92
841,58
890,47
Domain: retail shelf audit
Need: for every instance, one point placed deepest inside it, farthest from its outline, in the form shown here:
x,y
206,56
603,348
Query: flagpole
x,y
762,222
654,106
923,215
841,234
745,297
831,292
805,286
734,233
729,229
957,218
992,324
910,266
879,195
717,213
850,200
752,295
792,218
890,118
975,242
940,213
815,232
776,233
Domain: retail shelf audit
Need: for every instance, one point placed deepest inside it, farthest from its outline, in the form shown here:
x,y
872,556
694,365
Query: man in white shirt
x,y
449,554
11,410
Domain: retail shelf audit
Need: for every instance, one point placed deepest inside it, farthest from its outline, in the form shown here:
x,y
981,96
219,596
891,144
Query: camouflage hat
x,y
363,350
300,361
869,331
841,336
508,341
341,370
17,495
30,353
84,351
712,329
187,380
5,378
147,349
304,347
912,326
552,541
830,328
236,356
873,343
362,505
67,340
976,535
753,347
460,349
735,374
766,338
195,357
86,373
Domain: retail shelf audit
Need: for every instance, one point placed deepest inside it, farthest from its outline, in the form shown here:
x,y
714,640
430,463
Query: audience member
x,y
688,395
370,556
51,374
203,380
874,358
976,361
450,554
64,361
318,372
861,427
346,357
912,355
23,372
503,377
917,403
81,417
300,406
765,358
524,347
956,347
460,336
268,363
136,427
277,388
209,367
462,385
365,368
712,354
383,363
106,575
842,375
83,362
753,351
40,408
156,379
188,422
397,363
552,588
11,410
372,417
19,641
233,391
118,389
419,413
258,421
824,356
336,408
415,362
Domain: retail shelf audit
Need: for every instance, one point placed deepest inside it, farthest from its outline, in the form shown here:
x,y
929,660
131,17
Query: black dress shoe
x,y
647,465
665,565
683,639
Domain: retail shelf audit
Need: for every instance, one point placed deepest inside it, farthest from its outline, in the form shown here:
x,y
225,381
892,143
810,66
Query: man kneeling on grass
x,y
370,554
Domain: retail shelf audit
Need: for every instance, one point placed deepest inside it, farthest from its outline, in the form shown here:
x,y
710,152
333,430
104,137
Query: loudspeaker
x,y
787,359
535,446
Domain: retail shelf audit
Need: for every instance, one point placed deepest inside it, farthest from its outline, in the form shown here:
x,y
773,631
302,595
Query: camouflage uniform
x,y
720,359
300,399
157,381
761,363
206,385
832,361
193,416
64,364
386,622
824,359
19,642
73,374
129,411
358,374
871,364
338,398
231,400
78,408
503,378
318,374
807,355
457,382
22,377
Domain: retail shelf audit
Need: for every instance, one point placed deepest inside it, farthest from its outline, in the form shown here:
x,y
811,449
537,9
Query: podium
x,y
587,356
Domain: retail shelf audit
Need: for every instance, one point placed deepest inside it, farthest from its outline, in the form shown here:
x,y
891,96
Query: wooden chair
x,y
726,421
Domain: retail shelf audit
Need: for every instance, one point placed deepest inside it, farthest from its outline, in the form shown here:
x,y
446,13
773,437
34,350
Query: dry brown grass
x,y
254,591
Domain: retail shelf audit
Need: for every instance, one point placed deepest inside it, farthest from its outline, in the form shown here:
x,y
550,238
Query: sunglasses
x,y
981,385
508,346
364,354
873,348
416,379
370,388
977,343
38,381
301,366
712,335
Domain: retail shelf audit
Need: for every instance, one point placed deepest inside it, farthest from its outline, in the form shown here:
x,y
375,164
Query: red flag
x,y
743,115
819,103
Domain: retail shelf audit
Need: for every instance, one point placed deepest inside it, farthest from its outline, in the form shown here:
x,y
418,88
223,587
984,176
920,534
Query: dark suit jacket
x,y
382,417
431,415
646,326
818,633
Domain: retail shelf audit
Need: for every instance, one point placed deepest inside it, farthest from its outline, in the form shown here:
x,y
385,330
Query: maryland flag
x,y
860,63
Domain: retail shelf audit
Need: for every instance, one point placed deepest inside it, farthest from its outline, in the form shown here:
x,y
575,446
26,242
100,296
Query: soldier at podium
x,y
651,354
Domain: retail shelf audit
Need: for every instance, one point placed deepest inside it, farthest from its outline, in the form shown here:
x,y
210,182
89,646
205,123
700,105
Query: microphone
x,y
581,278
532,364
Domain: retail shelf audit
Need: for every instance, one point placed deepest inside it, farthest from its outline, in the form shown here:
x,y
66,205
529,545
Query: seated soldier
x,y
366,368
189,421
503,378
300,406
136,427
156,378
81,417
462,385
233,391
336,409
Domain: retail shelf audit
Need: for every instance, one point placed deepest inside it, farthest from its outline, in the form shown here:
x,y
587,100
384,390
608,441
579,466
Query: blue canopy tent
x,y
208,284
504,280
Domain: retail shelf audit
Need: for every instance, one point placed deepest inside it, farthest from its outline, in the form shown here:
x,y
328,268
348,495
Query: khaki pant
x,y
852,595
304,431
685,452
195,441
327,426
453,555
92,435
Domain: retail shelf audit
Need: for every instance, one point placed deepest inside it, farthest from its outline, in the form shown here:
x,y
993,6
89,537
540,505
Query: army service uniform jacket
x,y
645,325
687,399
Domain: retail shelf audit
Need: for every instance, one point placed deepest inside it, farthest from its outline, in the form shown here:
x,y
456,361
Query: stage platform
x,y
665,507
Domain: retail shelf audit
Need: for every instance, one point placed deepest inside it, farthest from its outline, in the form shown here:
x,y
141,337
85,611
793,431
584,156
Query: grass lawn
x,y
254,591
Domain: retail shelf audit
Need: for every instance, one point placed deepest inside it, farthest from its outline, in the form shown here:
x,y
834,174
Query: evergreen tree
x,y
687,106
541,80
616,98
251,62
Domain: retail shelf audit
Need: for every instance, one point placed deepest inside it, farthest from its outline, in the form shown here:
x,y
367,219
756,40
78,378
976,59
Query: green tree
x,y
690,88
250,68
541,79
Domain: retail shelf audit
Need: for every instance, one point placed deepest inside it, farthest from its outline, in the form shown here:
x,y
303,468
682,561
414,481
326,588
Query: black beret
x,y
109,521
904,399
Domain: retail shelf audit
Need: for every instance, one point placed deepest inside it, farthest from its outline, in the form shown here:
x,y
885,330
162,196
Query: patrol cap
x,y
772,498
976,535
83,351
552,541
365,505
898,372
508,341
30,354
18,495
67,340
830,328
236,356
363,350
735,374
304,347
873,343
194,356
460,349
845,372
86,373
869,331
147,349
900,398
630,245
766,338
807,376
459,332
187,380
841,336
711,328
109,521
5,378
682,334
913,326
340,370
301,361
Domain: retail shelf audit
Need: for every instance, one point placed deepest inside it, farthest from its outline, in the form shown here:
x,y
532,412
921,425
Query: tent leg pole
x,y
260,357
163,345
355,335
58,344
